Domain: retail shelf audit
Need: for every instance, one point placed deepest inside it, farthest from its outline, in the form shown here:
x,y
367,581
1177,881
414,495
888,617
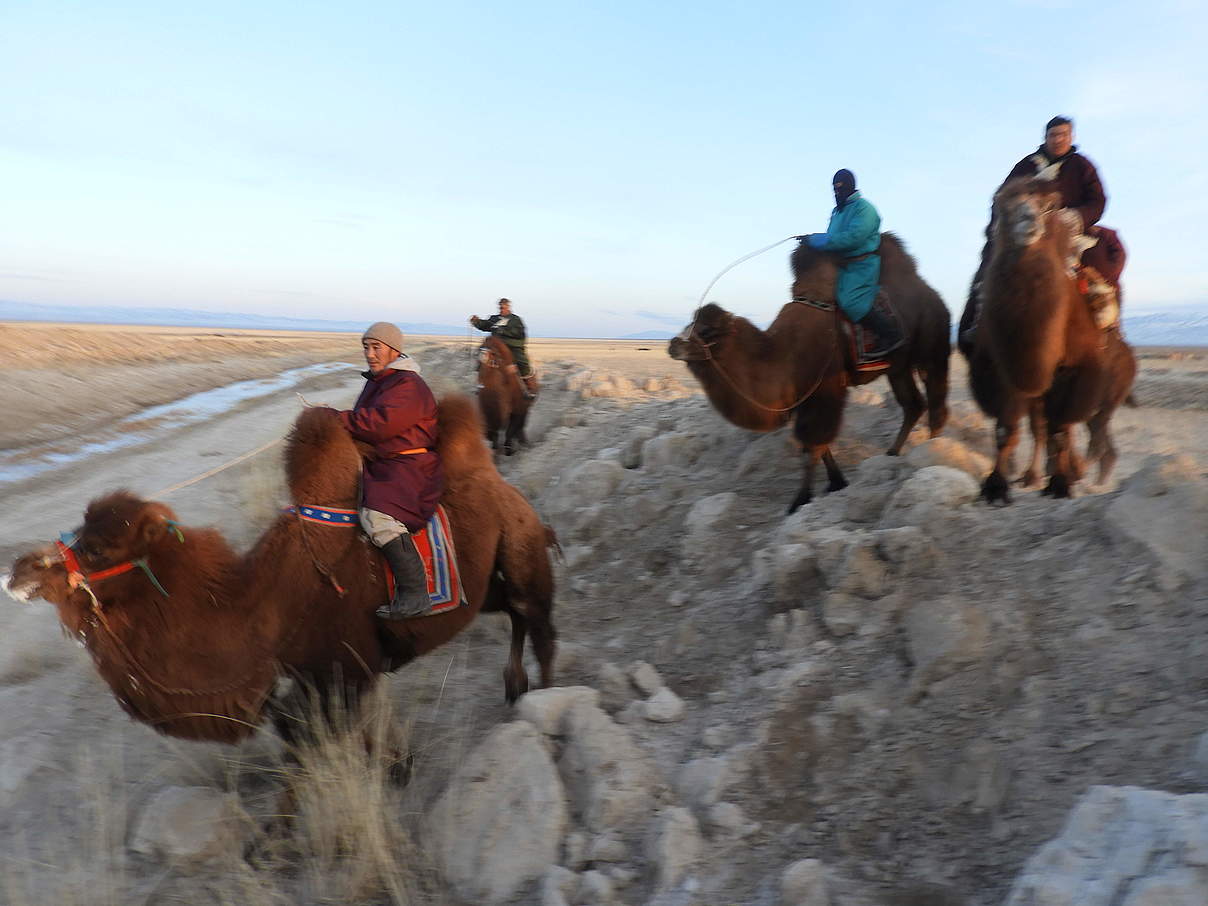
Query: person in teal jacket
x,y
854,232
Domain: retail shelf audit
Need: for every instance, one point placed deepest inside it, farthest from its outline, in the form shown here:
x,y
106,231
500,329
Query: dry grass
x,y
320,823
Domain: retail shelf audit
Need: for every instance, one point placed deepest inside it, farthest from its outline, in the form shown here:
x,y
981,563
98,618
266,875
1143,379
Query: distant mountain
x,y
1186,327
183,317
648,335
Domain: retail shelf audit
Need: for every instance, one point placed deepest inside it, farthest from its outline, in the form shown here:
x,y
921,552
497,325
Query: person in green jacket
x,y
510,329
854,232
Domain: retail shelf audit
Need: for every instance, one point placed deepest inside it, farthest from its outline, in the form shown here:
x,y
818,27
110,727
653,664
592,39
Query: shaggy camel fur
x,y
201,661
801,366
502,402
1037,348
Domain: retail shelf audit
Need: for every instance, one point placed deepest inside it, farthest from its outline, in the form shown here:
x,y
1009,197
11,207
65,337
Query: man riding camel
x,y
396,414
1082,203
510,329
854,231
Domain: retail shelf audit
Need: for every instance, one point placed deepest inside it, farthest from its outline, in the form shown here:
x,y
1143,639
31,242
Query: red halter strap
x,y
72,562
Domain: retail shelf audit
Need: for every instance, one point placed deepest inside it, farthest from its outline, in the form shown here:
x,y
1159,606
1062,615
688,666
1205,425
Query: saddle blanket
x,y
435,545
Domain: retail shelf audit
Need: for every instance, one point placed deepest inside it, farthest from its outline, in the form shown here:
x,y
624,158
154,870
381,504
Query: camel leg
x,y
1062,466
1101,448
805,493
935,387
1006,438
515,680
835,479
906,392
1039,428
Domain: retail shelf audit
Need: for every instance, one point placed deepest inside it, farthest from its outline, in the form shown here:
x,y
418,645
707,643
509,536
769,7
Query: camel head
x,y
704,337
121,527
322,461
1023,211
40,574
814,273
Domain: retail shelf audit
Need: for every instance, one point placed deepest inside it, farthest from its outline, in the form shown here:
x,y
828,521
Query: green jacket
x,y
854,230
510,329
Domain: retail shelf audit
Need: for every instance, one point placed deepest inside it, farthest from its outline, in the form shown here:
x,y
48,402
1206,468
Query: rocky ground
x,y
894,696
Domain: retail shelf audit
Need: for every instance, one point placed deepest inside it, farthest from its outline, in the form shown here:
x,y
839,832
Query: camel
x,y
192,638
504,406
1037,349
801,366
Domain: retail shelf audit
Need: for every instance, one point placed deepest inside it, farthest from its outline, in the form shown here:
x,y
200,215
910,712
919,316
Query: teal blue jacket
x,y
855,229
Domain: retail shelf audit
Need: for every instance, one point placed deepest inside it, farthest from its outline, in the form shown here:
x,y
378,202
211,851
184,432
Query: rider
x,y
1082,204
396,414
854,231
510,329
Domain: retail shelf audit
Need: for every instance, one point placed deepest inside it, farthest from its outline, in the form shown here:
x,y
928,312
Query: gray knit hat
x,y
385,332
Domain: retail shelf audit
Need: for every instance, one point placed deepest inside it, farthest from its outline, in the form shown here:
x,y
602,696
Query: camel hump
x,y
460,435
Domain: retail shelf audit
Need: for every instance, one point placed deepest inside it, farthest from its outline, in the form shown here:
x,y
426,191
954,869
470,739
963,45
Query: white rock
x,y
673,846
499,823
663,707
544,708
702,781
645,677
595,887
558,886
1122,846
1163,508
804,884
943,635
608,848
926,494
947,451
728,818
188,825
609,779
672,449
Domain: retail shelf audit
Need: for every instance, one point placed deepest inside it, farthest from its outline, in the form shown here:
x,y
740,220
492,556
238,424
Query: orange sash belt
x,y
410,452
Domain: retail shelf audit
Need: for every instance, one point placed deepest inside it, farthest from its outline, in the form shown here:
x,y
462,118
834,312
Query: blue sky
x,y
596,163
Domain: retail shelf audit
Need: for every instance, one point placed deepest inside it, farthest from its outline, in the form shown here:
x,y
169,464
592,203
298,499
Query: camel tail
x,y
551,541
460,445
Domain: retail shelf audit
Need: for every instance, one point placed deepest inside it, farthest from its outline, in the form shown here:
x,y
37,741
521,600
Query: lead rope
x,y
729,267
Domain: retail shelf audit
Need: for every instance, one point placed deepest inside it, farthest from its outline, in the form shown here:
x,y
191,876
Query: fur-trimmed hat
x,y
384,332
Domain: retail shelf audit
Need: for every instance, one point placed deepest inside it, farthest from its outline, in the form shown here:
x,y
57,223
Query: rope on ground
x,y
214,471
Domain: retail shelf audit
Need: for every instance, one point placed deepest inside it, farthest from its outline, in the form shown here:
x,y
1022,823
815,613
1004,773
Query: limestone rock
x,y
610,780
943,635
671,449
804,884
645,677
544,708
947,451
499,823
188,825
1122,846
1163,508
929,493
663,707
673,846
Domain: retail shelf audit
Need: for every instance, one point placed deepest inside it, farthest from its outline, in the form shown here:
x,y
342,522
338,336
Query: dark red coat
x,y
1077,181
396,411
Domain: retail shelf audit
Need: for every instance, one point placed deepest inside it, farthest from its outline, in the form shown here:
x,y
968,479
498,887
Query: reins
x,y
691,333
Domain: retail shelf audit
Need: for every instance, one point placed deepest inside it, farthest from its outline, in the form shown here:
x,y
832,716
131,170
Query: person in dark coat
x,y
510,329
396,414
1083,201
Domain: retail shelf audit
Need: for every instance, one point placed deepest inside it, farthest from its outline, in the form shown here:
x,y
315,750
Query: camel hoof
x,y
893,451
515,686
799,501
1058,488
836,485
402,769
995,489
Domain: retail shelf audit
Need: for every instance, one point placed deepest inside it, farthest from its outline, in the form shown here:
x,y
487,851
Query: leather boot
x,y
410,583
886,331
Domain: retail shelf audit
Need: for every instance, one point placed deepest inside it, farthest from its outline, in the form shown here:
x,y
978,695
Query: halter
x,y
78,578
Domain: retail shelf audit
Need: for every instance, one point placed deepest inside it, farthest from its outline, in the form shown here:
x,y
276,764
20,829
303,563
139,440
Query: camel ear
x,y
154,523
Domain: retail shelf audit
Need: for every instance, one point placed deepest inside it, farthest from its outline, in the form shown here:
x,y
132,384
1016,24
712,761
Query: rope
x,y
729,267
216,469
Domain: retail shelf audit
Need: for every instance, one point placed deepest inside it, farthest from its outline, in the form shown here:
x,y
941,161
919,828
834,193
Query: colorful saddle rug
x,y
434,543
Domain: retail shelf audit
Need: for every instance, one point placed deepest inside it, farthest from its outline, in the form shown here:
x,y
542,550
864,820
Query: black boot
x,y
886,331
410,583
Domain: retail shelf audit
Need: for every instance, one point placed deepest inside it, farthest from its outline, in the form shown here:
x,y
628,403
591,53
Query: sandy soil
x,y
881,811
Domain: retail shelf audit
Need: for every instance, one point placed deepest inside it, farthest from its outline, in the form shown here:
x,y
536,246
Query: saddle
x,y
863,342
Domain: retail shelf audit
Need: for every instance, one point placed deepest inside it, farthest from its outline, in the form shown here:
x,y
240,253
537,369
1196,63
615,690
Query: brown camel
x,y
1037,349
801,366
193,638
500,396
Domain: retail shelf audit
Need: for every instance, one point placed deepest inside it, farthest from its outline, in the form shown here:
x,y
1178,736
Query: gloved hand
x,y
473,318
816,240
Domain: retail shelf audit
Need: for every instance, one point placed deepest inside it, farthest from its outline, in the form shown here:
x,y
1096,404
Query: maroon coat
x,y
1077,181
396,411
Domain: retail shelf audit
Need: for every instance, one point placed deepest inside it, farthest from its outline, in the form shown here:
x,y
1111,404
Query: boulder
x,y
189,825
499,823
609,779
673,846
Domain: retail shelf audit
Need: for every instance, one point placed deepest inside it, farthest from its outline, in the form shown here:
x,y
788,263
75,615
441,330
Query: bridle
x,y
78,577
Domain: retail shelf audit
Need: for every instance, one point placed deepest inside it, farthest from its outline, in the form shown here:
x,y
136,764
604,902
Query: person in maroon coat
x,y
396,414
1082,202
